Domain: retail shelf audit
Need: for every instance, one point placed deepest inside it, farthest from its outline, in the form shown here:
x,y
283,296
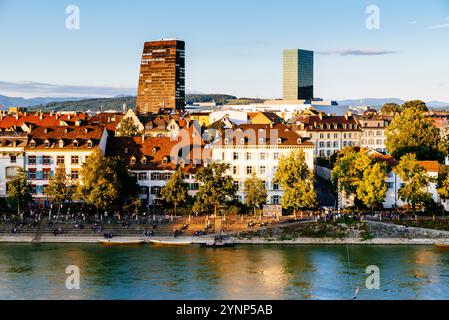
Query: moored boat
x,y
174,243
111,242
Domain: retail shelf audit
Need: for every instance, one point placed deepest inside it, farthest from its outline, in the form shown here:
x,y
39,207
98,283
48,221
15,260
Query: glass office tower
x,y
298,74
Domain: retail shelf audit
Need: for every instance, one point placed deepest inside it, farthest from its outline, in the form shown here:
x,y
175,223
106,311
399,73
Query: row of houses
x,y
41,142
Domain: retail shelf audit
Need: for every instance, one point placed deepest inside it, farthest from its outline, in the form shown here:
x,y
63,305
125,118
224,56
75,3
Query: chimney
x,y
143,137
320,115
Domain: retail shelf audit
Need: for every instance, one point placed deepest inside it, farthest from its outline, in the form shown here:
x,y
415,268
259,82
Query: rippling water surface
x,y
244,272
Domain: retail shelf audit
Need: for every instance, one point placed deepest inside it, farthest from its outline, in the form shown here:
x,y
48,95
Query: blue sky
x,y
233,46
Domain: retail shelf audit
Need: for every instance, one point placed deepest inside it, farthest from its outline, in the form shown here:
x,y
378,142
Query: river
x,y
243,272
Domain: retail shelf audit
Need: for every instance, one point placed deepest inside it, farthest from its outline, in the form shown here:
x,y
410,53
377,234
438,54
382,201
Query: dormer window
x,y
66,130
133,160
226,141
242,141
299,140
279,140
75,143
61,144
33,144
47,144
144,160
126,150
165,160
154,150
90,144
45,130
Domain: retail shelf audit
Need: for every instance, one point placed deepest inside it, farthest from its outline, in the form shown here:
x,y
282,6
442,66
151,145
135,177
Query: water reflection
x,y
261,272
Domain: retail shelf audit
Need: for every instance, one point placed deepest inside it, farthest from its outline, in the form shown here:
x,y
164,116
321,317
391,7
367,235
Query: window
x,y
60,160
46,160
275,199
74,175
236,185
335,144
156,191
143,176
33,189
262,156
89,144
248,156
47,144
144,160
275,186
276,156
75,160
13,159
236,156
262,170
144,191
165,161
33,144
133,161
75,144
235,170
249,170
32,174
321,144
156,176
32,160
167,176
46,175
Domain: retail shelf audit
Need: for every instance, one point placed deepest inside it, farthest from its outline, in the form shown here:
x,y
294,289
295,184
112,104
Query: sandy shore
x,y
254,241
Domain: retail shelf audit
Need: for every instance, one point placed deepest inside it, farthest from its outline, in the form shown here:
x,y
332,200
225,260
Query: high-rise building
x,y
298,74
162,77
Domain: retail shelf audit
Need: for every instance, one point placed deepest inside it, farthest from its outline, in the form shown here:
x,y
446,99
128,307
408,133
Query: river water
x,y
243,272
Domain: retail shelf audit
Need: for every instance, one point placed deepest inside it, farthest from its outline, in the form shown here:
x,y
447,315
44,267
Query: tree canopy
x,y
411,132
416,181
60,188
127,128
372,189
255,192
390,108
175,191
215,189
297,181
106,181
443,182
417,105
19,190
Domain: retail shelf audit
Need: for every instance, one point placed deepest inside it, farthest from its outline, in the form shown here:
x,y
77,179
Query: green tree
x,y
255,192
416,105
416,181
390,108
106,182
297,181
216,187
411,132
349,169
127,128
19,190
443,182
60,188
175,191
372,189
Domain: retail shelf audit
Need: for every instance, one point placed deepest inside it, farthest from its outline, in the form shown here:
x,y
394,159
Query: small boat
x,y
111,242
442,245
174,243
218,243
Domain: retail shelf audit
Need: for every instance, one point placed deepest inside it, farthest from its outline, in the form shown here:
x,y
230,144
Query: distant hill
x,y
202,98
377,103
7,102
98,104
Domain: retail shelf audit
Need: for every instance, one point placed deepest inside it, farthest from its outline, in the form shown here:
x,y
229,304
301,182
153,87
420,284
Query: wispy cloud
x,y
28,89
414,22
357,52
439,26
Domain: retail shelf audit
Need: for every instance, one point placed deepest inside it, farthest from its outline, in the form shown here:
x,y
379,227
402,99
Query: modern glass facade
x,y
298,74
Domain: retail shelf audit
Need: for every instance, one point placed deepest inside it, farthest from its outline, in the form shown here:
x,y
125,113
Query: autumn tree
x,y
106,181
372,188
127,128
60,188
175,191
19,190
349,169
297,181
390,108
411,132
416,105
255,192
216,187
416,181
443,182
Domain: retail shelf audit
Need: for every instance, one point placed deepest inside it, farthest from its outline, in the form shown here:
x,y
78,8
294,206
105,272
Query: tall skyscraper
x,y
298,74
162,77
